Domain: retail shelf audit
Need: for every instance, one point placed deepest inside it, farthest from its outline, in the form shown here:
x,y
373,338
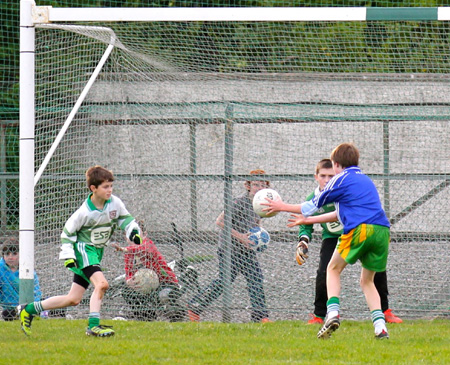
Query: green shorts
x,y
368,243
86,255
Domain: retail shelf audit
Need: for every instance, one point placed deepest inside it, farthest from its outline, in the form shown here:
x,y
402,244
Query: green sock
x,y
31,308
333,306
94,319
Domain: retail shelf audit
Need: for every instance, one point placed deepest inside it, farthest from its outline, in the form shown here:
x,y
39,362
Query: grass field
x,y
63,342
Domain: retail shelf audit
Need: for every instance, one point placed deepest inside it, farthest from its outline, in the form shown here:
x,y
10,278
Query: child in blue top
x,y
9,279
365,237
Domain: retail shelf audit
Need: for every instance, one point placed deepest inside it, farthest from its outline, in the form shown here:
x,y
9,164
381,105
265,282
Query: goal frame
x,y
32,16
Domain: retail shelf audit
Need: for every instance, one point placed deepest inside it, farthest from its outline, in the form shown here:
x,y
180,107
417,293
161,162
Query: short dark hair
x,y
346,155
10,244
324,164
96,175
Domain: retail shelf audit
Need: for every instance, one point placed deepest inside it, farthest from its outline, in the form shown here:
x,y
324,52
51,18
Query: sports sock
x,y
94,319
378,320
34,308
333,307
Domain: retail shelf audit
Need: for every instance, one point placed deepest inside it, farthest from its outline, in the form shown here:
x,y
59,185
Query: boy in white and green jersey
x,y
86,233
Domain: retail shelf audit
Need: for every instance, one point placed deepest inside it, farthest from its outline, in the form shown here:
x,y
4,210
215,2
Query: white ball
x,y
260,197
146,280
259,238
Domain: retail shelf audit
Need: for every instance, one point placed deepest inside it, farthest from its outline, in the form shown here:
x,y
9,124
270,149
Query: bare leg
x,y
100,288
369,289
73,298
336,265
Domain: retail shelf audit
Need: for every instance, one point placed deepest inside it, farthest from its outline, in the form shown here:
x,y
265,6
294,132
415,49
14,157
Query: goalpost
x,y
182,103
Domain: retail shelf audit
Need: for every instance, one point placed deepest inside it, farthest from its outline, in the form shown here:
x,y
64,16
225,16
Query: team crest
x,y
112,214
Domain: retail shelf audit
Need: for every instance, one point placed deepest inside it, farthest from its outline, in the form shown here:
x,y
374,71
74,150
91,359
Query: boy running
x,y
86,233
365,237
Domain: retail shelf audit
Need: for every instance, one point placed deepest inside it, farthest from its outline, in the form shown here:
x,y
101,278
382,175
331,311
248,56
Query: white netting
x,y
182,109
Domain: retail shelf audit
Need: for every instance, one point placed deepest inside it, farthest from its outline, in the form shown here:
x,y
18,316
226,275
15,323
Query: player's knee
x,y
364,283
73,301
103,286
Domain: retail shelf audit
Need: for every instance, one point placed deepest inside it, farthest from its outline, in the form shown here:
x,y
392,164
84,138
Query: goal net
x,y
181,112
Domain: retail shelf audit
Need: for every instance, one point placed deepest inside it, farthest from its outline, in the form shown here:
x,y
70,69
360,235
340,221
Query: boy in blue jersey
x,y
86,233
365,237
331,231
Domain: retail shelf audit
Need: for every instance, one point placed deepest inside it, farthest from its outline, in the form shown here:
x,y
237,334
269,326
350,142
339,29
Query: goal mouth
x,y
182,111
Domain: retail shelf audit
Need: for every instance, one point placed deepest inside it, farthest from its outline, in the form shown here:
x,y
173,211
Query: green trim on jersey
x,y
95,227
329,230
91,205
127,220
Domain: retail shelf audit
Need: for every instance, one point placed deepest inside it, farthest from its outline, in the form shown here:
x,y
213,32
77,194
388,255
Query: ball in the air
x,y
260,197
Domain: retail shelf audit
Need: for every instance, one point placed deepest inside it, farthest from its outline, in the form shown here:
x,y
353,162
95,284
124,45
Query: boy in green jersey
x,y
86,233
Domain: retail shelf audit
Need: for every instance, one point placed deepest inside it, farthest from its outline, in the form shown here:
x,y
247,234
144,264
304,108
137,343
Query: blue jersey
x,y
355,197
9,286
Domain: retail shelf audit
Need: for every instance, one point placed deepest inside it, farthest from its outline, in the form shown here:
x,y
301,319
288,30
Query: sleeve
x,y
126,221
69,236
306,230
165,273
129,261
129,264
332,192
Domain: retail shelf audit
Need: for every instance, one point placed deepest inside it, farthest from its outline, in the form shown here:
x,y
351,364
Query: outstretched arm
x,y
280,206
299,219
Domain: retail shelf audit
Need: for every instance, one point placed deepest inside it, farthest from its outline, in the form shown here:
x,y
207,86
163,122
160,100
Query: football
x,y
259,238
260,197
146,280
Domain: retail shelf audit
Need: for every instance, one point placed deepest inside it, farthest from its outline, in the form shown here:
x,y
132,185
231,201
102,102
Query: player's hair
x,y
324,164
256,172
346,155
10,244
96,175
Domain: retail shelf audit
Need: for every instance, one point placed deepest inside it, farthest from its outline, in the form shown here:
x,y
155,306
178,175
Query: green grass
x,y
63,342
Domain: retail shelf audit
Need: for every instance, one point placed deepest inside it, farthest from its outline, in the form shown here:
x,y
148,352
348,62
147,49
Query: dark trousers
x,y
243,262
320,302
145,307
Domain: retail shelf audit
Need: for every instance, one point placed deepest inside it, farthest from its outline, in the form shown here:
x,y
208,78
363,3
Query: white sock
x,y
333,313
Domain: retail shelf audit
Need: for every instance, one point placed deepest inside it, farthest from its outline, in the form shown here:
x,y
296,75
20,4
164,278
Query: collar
x,y
91,205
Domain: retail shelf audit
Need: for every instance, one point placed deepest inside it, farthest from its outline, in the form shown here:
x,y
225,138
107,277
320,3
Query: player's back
x,y
356,199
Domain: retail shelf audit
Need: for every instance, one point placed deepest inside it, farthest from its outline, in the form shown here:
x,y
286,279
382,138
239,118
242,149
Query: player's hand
x,y
70,263
301,254
273,206
117,247
297,220
135,237
244,239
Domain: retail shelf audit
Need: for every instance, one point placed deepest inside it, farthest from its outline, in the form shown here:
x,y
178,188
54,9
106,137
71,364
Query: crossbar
x,y
46,14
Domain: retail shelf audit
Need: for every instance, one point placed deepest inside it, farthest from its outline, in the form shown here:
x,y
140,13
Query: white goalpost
x,y
181,103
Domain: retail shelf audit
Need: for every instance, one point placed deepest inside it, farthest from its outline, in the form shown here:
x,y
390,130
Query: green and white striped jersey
x,y
95,227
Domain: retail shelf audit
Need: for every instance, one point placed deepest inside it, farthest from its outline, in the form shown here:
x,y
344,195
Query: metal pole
x,y
228,205
26,153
